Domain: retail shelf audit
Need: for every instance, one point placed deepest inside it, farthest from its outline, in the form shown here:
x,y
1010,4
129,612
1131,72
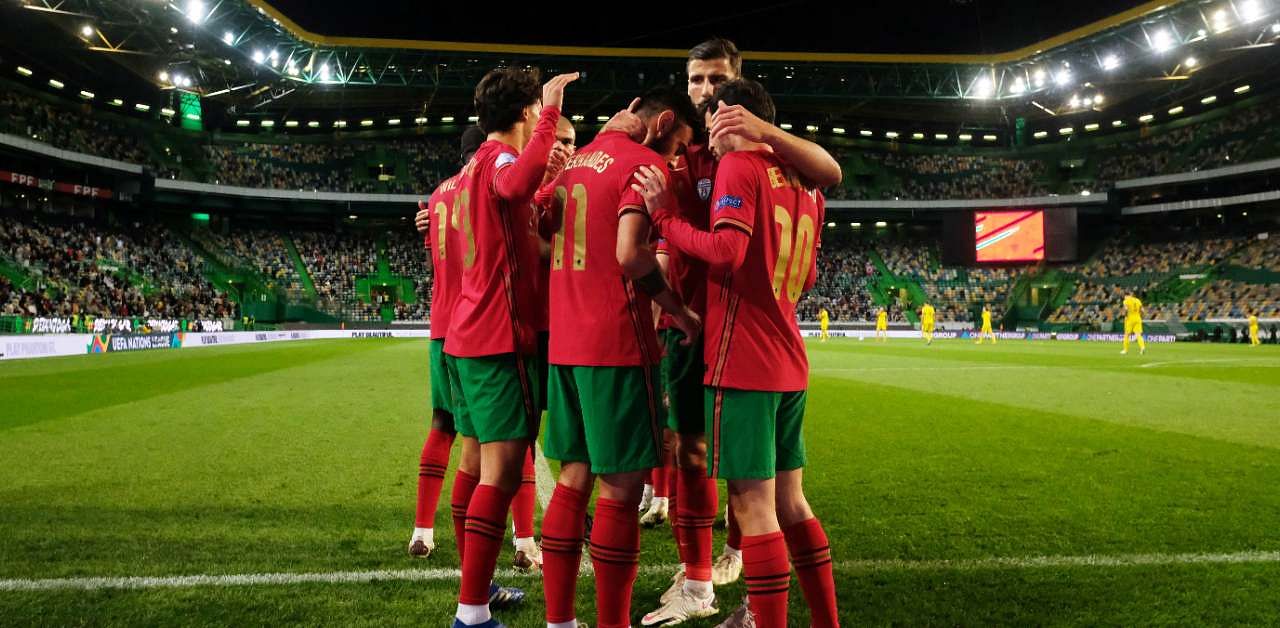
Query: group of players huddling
x,y
662,262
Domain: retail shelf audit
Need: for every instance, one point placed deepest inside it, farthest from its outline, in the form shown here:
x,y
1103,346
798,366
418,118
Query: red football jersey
x,y
691,183
752,339
444,266
496,301
598,317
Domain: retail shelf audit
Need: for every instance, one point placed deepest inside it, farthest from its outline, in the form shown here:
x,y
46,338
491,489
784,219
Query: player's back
x,y
598,316
444,267
926,312
752,339
494,312
1133,307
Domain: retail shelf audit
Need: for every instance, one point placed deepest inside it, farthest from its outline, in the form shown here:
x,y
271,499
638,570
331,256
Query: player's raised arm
x,y
518,179
815,165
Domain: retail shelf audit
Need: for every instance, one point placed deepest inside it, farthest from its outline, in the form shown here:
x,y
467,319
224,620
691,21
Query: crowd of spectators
x,y
84,269
263,251
333,262
843,271
334,166
1128,254
70,127
408,258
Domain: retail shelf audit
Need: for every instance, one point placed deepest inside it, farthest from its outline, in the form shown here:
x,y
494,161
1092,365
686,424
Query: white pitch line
x,y
1004,367
1171,362
1013,563
542,471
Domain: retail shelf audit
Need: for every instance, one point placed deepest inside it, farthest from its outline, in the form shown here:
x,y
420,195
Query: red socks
x,y
695,514
431,468
464,484
658,477
734,538
768,576
486,525
562,530
811,555
522,506
615,554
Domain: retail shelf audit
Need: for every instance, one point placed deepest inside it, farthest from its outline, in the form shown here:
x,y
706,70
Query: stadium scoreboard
x,y
1010,236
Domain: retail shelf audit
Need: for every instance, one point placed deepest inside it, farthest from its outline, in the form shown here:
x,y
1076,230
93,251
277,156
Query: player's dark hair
x,y
472,138
748,93
718,48
660,99
503,94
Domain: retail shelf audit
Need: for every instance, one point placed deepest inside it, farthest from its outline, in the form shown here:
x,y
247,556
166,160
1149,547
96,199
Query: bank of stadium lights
x,y
891,135
1110,62
366,123
1208,100
477,118
1092,126
837,130
966,137
1063,77
292,124
339,124
1275,28
228,38
785,126
1039,77
1041,135
142,107
865,133
1066,130
1115,124
324,72
267,124
1019,86
1220,21
577,117
393,122
314,124
116,102
259,57
812,128
1162,40
982,87
989,138
420,120
1249,10
1145,118
196,11
447,120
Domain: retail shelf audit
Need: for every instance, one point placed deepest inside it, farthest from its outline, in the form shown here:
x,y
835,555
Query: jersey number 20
x,y
795,254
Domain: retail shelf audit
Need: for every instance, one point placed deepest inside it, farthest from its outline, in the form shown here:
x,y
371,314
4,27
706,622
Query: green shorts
x,y
682,372
496,397
606,416
441,392
751,434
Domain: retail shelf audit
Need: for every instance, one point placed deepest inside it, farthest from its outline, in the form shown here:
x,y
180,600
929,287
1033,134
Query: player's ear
x,y
666,123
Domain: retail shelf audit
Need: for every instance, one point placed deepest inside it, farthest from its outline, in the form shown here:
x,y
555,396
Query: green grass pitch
x,y
945,476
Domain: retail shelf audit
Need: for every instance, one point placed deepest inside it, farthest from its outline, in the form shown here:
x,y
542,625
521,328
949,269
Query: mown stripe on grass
x,y
848,566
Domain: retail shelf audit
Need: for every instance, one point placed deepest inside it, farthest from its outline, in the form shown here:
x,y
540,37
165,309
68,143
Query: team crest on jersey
x,y
505,159
704,189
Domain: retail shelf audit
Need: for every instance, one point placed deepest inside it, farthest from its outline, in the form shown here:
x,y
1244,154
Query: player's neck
x,y
514,138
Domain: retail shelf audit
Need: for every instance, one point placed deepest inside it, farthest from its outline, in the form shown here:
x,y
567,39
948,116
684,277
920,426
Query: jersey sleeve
x,y
733,202
517,178
631,200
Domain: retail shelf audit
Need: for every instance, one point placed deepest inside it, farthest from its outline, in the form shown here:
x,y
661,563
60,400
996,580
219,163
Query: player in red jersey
x,y
491,339
432,220
762,252
528,557
710,64
605,418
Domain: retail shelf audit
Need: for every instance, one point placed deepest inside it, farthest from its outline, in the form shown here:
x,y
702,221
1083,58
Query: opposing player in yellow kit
x,y
824,320
1133,323
926,323
1253,331
986,327
882,325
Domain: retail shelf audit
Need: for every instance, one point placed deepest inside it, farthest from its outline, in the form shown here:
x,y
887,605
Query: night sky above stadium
x,y
928,26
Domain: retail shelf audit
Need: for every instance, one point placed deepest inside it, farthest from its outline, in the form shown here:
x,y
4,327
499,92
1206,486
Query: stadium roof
x,y
252,59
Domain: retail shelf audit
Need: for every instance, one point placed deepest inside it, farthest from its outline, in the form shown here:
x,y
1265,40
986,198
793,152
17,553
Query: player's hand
x,y
652,186
422,219
556,161
737,120
628,122
553,91
688,322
